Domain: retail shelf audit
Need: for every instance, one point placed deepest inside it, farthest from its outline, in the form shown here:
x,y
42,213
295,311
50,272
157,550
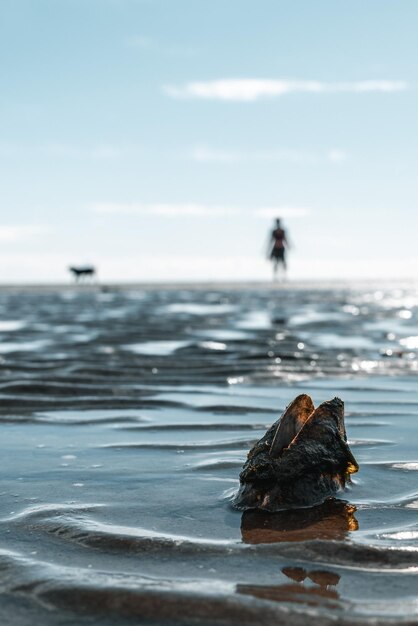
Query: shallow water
x,y
126,416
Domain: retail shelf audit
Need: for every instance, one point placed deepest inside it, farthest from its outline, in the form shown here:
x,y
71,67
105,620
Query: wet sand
x,y
126,415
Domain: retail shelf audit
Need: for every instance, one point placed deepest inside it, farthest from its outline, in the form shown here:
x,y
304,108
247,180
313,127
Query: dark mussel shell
x,y
302,459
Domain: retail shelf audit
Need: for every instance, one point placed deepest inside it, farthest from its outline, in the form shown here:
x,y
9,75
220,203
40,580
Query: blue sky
x,y
158,138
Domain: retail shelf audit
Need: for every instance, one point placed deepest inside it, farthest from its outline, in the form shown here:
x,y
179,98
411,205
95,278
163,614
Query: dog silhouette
x,y
87,271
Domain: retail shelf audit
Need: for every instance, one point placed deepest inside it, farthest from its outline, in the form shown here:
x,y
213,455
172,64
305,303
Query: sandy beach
x,y
126,415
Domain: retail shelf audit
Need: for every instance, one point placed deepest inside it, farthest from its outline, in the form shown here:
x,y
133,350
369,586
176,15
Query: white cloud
x,y
60,150
48,268
251,89
34,268
248,267
140,42
336,156
12,234
101,151
152,45
54,267
195,210
187,267
362,268
203,154
167,210
282,211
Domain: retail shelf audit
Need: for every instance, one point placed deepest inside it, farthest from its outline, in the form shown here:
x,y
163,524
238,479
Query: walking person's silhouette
x,y
278,244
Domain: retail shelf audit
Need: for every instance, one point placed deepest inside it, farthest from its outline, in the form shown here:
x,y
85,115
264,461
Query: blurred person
x,y
278,245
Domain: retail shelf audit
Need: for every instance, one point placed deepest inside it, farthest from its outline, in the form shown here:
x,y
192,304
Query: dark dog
x,y
83,272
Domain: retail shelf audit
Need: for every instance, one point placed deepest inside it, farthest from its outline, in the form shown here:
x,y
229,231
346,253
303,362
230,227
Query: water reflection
x,y
333,519
315,587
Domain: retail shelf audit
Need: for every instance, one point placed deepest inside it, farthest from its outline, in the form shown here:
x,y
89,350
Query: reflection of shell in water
x,y
295,593
323,592
333,519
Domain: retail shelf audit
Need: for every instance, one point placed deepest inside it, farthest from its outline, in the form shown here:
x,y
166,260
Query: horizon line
x,y
300,283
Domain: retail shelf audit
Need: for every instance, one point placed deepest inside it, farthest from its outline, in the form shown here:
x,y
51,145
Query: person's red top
x,y
279,238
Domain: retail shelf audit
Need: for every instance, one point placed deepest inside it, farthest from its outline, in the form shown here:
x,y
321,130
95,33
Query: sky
x,y
158,139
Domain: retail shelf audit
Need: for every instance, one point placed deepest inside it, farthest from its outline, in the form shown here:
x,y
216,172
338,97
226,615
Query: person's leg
x,y
284,262
275,266
280,261
284,270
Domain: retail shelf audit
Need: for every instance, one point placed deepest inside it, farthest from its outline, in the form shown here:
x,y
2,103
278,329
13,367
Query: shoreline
x,y
210,285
